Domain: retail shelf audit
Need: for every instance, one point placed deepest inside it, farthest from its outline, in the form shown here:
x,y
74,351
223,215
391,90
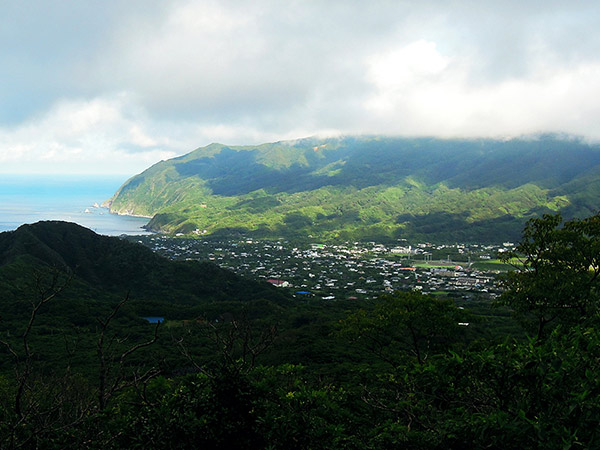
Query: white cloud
x,y
140,139
417,90
96,136
415,62
204,59
117,85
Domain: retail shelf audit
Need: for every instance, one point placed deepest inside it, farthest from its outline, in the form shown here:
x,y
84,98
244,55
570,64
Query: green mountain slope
x,y
105,269
367,188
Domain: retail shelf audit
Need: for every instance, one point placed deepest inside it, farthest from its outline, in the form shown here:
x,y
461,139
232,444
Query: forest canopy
x,y
402,371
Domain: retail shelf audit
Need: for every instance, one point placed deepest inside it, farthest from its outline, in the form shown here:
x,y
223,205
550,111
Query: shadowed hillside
x,y
108,267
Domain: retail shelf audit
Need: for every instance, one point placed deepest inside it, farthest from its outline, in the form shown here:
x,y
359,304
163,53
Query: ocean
x,y
71,198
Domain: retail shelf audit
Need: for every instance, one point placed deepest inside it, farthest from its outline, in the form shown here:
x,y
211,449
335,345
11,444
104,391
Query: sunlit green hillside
x,y
372,188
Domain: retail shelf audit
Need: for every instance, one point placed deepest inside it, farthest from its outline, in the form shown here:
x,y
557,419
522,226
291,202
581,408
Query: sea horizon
x,y
77,198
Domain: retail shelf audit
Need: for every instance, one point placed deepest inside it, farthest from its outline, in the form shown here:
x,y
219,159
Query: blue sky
x,y
115,86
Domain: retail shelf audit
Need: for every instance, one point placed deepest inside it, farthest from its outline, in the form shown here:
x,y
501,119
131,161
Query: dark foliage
x,y
245,371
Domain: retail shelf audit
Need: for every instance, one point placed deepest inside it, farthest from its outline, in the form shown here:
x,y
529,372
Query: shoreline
x,y
125,214
108,205
27,200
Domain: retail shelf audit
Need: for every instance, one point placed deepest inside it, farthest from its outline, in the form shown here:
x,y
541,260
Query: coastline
x,y
31,199
108,205
126,214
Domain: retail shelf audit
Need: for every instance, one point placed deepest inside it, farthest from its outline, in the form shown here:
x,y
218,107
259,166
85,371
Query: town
x,y
350,270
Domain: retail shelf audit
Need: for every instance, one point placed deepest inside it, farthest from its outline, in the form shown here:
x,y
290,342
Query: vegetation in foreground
x,y
400,372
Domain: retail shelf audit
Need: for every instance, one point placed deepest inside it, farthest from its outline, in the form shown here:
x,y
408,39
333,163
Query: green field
x,y
496,264
438,264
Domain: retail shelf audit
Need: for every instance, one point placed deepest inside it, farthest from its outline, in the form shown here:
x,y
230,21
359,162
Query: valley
x,y
350,270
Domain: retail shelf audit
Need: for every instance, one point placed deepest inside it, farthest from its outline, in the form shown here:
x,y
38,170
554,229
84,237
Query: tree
x,y
236,343
112,376
37,406
557,269
405,323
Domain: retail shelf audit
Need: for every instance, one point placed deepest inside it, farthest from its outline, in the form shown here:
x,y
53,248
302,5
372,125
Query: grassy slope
x,y
367,188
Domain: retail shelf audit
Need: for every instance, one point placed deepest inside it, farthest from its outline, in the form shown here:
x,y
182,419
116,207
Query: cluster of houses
x,y
346,271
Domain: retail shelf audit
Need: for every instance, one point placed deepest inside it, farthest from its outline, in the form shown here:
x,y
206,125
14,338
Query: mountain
x,y
105,269
369,188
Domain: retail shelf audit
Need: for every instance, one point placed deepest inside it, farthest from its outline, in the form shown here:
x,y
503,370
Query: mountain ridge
x,y
366,187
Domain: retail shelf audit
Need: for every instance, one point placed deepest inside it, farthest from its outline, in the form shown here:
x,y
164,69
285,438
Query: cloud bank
x,y
113,87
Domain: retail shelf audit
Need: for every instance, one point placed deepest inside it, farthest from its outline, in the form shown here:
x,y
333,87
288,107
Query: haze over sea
x,y
71,198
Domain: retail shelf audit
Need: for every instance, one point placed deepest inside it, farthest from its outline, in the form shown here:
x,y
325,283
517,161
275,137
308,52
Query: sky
x,y
109,86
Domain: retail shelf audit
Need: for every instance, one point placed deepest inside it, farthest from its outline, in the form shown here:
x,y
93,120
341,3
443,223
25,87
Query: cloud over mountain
x,y
142,81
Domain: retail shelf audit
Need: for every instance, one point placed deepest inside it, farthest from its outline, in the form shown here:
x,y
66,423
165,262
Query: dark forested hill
x,y
368,188
107,267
